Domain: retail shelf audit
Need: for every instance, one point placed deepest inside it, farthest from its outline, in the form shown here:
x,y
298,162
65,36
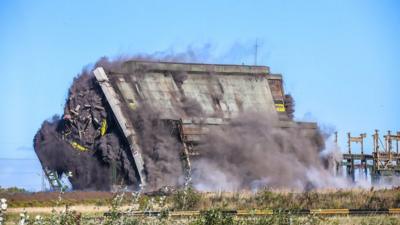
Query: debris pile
x,y
85,141
246,151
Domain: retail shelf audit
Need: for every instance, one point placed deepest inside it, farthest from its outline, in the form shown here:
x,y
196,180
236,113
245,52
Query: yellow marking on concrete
x,y
103,128
132,105
394,211
254,212
185,213
78,147
280,107
329,211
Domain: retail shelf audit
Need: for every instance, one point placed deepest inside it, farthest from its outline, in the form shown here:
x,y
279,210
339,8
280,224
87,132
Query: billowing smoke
x,y
60,157
75,143
251,152
247,153
160,145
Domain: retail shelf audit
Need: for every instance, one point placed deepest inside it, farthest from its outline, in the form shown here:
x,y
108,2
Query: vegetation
x,y
192,200
12,190
51,199
213,208
186,199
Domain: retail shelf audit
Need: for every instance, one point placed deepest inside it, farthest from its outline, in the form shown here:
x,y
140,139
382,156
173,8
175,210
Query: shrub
x,y
214,217
186,199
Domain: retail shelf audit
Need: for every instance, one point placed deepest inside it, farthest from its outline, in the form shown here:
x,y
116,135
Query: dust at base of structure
x,y
216,127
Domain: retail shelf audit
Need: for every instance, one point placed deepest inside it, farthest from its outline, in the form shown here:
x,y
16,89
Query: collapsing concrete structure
x,y
140,118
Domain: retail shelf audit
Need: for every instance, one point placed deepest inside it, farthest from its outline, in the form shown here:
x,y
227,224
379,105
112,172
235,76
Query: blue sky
x,y
339,58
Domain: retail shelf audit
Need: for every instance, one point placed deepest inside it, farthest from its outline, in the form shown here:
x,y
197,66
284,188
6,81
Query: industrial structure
x,y
222,91
101,139
191,98
383,163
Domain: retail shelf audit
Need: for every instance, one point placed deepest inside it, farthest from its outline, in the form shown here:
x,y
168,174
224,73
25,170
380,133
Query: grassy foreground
x,y
211,217
192,200
119,205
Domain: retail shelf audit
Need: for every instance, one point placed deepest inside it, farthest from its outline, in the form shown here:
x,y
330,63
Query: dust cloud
x,y
100,156
249,152
99,161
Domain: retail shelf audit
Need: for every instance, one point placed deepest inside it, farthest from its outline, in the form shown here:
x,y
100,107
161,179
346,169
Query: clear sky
x,y
339,58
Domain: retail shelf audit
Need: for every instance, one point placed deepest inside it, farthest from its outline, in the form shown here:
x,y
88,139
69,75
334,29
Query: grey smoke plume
x,y
251,152
106,155
160,146
108,159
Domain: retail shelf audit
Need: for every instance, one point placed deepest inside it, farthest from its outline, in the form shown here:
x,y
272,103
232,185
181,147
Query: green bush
x,y
214,217
12,190
186,199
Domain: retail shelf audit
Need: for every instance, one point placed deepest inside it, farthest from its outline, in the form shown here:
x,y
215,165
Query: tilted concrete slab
x,y
221,92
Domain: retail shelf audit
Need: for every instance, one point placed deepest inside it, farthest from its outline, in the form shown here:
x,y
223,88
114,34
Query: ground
x,y
191,207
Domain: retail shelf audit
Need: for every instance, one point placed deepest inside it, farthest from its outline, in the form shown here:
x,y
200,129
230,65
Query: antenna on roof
x,y
255,52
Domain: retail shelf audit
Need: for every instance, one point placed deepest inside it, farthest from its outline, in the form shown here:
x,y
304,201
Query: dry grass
x,y
211,203
265,199
284,199
48,199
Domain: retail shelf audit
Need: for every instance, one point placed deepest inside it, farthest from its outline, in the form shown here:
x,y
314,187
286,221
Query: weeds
x,y
187,199
192,200
214,217
12,190
3,209
214,208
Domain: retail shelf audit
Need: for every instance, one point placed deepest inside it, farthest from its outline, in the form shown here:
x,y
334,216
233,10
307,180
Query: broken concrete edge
x,y
122,122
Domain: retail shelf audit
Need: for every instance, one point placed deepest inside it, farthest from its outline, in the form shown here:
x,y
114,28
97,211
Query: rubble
x,y
166,125
83,142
